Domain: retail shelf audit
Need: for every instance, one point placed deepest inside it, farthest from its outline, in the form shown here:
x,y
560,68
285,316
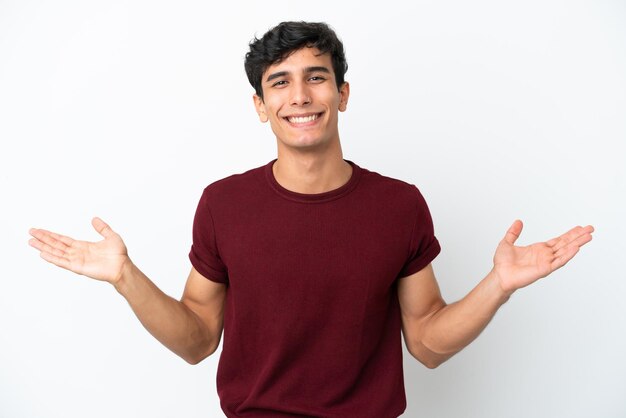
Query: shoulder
x,y
390,187
235,184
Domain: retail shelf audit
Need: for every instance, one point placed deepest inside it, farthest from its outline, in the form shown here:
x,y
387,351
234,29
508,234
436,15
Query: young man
x,y
312,266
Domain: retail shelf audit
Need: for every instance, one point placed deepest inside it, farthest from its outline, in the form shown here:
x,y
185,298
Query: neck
x,y
311,173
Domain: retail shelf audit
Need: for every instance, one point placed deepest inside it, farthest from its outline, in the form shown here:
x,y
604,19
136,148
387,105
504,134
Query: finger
x,y
570,236
578,230
35,243
56,260
102,227
577,243
62,238
514,232
565,256
48,238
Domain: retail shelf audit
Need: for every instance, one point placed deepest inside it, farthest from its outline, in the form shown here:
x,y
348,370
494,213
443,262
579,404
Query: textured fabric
x,y
312,323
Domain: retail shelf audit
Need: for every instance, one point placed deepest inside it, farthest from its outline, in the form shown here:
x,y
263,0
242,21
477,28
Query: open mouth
x,y
303,119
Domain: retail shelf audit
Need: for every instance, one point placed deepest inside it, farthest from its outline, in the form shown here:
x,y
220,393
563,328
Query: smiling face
x,y
301,100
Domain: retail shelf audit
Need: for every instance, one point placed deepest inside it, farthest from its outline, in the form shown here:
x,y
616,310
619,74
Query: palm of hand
x,y
517,267
102,260
520,266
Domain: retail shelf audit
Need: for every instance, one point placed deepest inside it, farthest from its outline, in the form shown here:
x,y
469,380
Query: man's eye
x,y
279,83
317,78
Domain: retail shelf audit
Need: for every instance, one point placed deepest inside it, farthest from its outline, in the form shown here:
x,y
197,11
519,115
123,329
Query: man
x,y
312,266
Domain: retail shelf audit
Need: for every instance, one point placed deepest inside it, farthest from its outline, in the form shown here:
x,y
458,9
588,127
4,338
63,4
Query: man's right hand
x,y
191,328
102,260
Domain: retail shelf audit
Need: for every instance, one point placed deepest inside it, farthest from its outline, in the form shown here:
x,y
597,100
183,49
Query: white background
x,y
495,110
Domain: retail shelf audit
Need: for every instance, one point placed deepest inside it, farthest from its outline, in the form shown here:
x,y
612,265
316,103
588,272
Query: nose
x,y
300,95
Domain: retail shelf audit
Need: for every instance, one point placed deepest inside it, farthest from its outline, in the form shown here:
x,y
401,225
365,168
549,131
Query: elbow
x,y
427,357
432,363
193,360
196,356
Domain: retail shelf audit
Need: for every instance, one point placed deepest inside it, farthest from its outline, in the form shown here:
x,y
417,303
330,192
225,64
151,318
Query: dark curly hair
x,y
287,37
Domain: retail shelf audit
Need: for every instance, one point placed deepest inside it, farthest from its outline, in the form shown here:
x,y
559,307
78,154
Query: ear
x,y
260,108
344,94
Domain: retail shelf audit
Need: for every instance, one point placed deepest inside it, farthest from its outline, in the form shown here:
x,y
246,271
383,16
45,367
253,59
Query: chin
x,y
304,141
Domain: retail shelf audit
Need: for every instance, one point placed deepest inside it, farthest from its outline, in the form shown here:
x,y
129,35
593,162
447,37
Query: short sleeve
x,y
204,254
424,247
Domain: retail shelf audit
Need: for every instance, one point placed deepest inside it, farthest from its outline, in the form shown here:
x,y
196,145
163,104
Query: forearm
x,y
170,321
451,328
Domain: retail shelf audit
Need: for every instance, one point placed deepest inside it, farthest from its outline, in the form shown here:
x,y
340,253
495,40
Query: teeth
x,y
302,119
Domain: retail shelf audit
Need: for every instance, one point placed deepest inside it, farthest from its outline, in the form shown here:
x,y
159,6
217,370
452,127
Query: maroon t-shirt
x,y
312,323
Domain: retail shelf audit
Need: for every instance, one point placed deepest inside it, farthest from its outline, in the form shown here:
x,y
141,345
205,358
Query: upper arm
x,y
419,298
205,298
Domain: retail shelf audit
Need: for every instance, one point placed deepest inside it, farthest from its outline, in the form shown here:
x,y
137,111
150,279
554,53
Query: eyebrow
x,y
307,70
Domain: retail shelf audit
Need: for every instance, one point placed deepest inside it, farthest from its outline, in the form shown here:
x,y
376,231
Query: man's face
x,y
301,100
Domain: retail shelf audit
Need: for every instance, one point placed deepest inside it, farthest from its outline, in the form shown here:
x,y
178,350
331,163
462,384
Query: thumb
x,y
102,227
514,232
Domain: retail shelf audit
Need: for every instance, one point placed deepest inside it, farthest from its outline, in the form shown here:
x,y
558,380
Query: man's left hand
x,y
517,267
